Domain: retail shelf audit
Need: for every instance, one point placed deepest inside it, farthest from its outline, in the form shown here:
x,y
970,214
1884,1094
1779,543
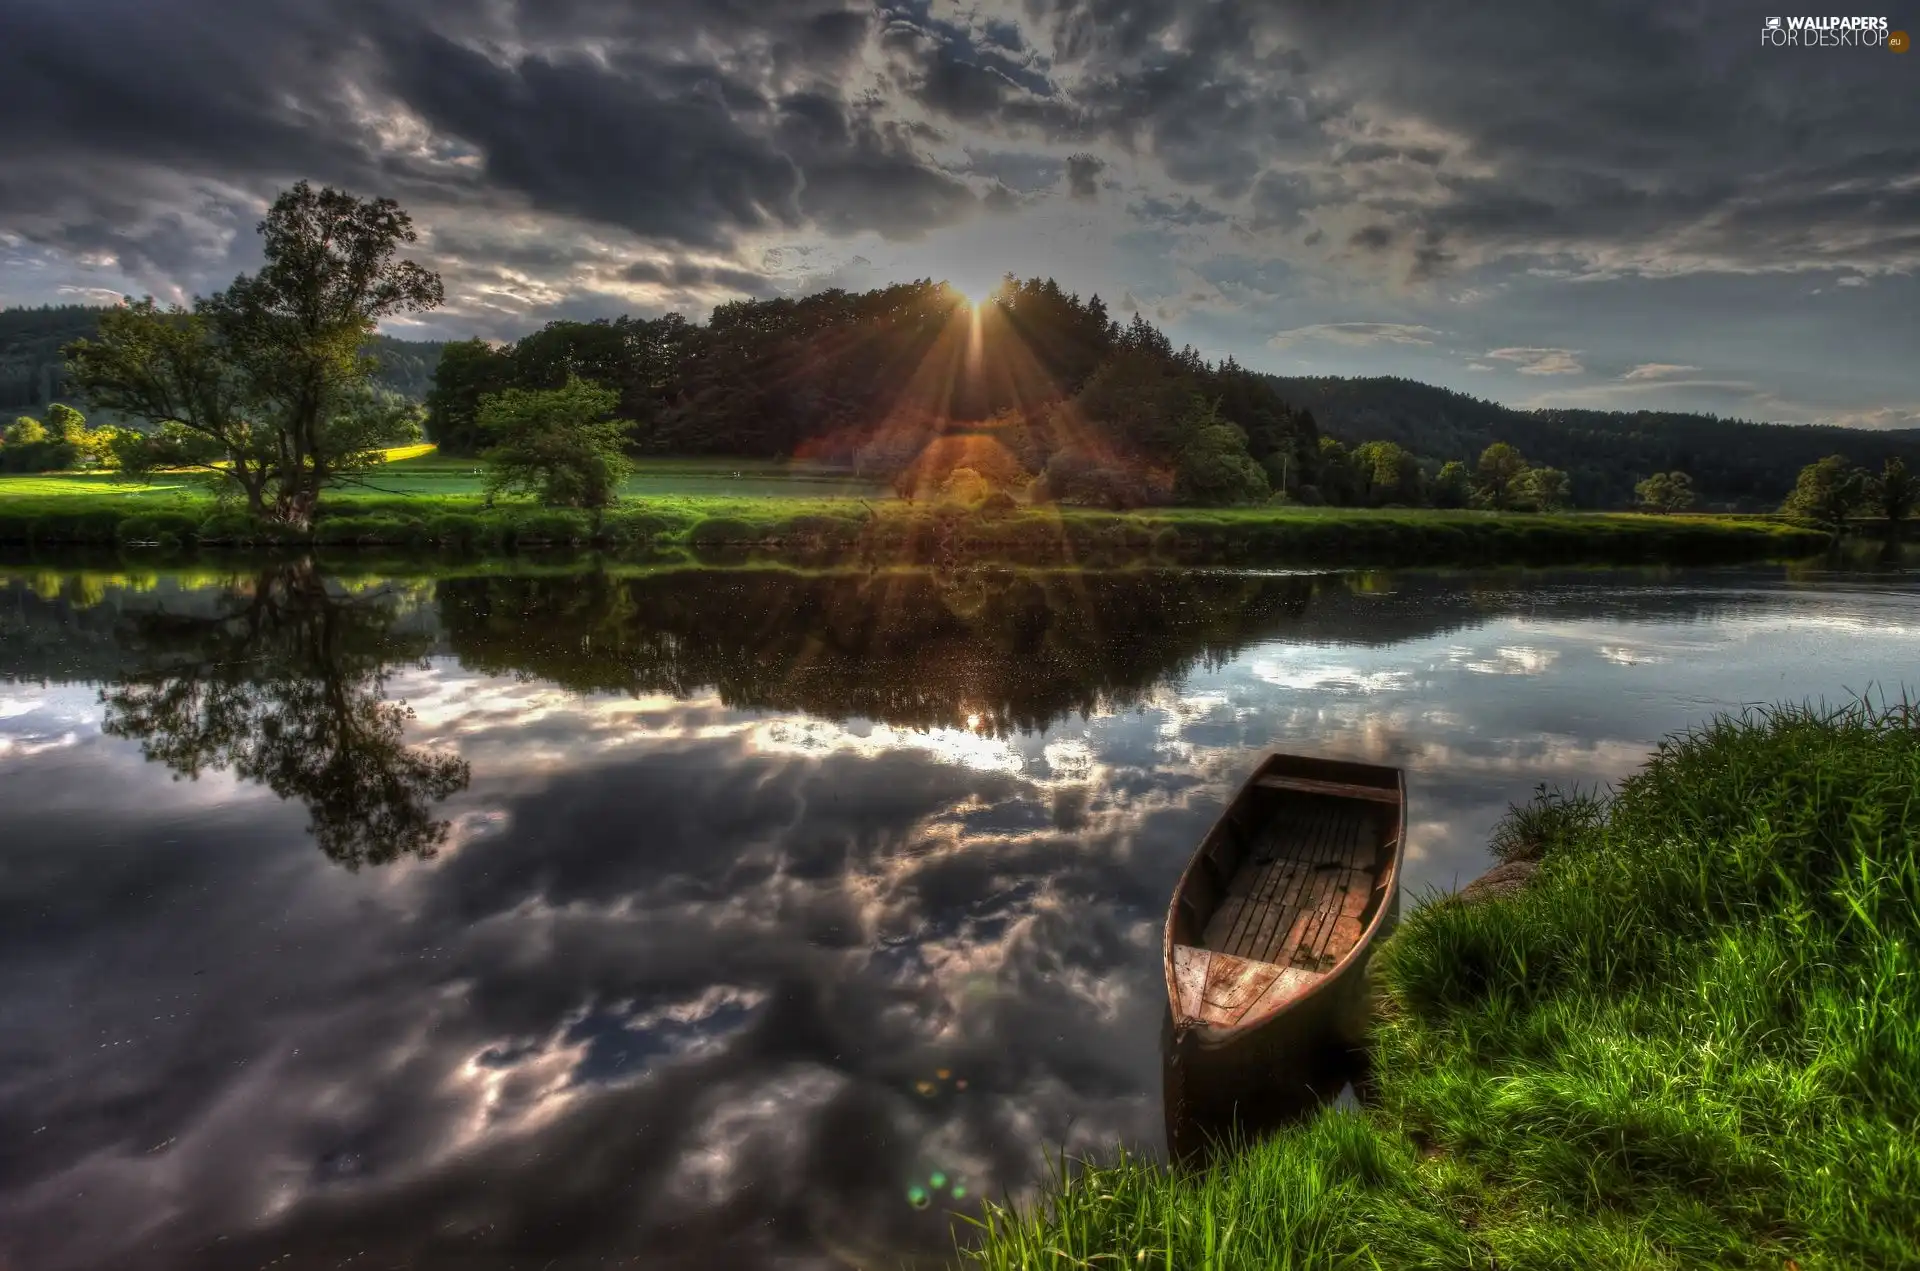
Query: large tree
x,y
1385,473
1545,489
1894,490
1451,486
266,384
1665,492
468,371
1827,492
1498,477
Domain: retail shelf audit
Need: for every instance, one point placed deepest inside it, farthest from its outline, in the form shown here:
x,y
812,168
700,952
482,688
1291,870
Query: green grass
x,y
1694,1042
432,473
806,514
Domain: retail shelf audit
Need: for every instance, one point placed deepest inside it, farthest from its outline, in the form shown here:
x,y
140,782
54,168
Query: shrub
x,y
991,465
964,487
999,504
552,527
723,531
1097,481
457,530
164,528
352,530
226,527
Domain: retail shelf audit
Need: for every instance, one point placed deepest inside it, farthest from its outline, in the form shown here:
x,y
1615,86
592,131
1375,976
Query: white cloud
x,y
1532,361
1358,333
1657,370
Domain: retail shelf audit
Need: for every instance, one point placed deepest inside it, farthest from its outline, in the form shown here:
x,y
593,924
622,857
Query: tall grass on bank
x,y
1694,1041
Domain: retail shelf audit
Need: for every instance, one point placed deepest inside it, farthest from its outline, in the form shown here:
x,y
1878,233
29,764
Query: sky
x,y
1622,205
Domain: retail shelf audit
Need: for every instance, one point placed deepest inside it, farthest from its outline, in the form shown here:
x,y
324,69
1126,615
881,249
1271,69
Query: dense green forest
x,y
1734,464
1036,389
33,368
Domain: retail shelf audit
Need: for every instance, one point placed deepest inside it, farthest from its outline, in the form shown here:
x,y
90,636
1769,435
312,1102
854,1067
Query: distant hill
x,y
31,373
1735,464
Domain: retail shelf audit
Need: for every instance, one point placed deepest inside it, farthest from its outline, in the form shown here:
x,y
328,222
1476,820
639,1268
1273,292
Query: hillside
x,y
1734,463
31,367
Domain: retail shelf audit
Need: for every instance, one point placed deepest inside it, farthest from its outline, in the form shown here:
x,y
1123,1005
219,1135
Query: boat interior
x,y
1285,886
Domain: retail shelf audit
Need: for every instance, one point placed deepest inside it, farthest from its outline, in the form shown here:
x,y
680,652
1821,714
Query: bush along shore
x,y
1691,1039
806,531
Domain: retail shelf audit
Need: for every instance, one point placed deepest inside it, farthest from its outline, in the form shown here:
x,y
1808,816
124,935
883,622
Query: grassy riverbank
x,y
811,527
1695,1041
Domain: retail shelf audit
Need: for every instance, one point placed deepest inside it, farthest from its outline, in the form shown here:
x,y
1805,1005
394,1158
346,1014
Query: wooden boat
x,y
1269,932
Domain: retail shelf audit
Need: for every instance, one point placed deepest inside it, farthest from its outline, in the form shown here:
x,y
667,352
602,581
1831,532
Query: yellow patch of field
x,y
394,454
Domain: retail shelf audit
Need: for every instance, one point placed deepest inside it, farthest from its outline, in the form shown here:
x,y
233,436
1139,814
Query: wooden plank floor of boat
x,y
1298,898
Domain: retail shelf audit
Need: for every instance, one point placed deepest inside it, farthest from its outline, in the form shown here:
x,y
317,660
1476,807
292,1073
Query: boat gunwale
x,y
1211,1035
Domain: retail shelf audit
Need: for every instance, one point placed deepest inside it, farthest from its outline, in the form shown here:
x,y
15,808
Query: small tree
x,y
557,443
1496,478
25,430
1544,489
1451,487
1665,492
1827,492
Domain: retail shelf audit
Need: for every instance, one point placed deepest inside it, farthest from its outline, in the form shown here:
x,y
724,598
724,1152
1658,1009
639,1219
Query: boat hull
x,y
1269,1067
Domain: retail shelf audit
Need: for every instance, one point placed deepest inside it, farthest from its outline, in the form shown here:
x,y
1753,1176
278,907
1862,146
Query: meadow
x,y
729,509
1693,1041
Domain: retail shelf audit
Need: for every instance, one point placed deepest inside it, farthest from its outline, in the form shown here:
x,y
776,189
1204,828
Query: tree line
x,y
1035,389
1731,464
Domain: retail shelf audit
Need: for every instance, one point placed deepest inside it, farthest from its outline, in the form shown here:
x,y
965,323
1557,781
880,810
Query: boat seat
x,y
1220,989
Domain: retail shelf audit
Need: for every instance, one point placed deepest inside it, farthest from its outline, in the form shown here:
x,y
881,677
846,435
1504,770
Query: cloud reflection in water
x,y
704,933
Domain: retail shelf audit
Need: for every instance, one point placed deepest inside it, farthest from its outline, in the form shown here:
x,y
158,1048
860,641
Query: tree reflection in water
x,y
995,652
286,686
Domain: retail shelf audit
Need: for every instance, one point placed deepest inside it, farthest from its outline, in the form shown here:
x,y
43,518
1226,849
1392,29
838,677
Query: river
x,y
547,918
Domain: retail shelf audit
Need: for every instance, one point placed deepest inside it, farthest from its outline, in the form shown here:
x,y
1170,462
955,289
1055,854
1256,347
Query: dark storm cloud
x,y
1634,136
1083,175
595,114
1280,200
687,153
1660,134
688,274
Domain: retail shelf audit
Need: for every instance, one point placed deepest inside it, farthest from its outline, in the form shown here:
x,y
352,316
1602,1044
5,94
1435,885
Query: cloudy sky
x,y
1623,204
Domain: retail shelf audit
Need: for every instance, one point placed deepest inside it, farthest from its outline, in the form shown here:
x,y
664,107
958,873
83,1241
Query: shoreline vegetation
x,y
1693,1039
727,529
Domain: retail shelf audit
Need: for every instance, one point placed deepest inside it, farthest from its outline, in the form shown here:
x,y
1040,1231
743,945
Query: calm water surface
x,y
711,919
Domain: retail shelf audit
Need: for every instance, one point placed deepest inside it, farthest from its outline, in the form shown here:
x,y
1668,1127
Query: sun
x,y
973,291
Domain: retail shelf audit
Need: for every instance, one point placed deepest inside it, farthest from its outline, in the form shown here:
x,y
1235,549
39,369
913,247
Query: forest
x,y
911,383
1734,465
1039,392
1034,389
